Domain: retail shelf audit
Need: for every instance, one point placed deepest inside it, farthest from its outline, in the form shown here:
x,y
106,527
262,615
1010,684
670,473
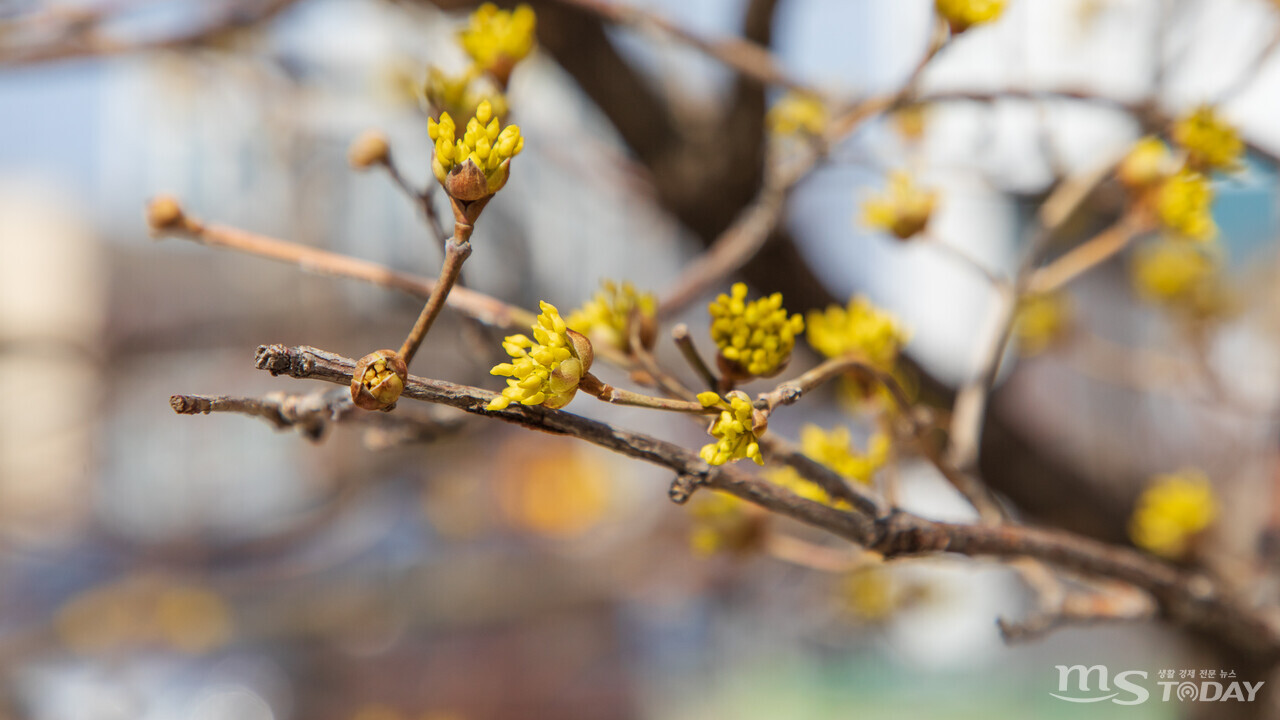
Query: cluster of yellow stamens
x,y
607,316
485,144
798,113
833,448
545,370
1172,511
964,14
1184,205
498,39
734,429
1211,144
903,209
859,330
755,338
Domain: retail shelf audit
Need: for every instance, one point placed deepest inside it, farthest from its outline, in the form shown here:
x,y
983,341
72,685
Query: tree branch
x,y
1185,598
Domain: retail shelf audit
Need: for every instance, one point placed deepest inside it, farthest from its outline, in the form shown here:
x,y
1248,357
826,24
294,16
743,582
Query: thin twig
x,y
592,385
423,199
742,55
484,308
961,255
684,341
749,232
455,254
792,390
311,414
647,363
1087,255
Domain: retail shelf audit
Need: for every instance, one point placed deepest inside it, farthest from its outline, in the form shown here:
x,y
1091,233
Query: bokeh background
x,y
156,566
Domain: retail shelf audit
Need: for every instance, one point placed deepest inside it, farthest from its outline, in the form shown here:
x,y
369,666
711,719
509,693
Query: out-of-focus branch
x,y
748,58
1073,608
80,34
322,262
971,402
1087,255
312,414
1184,598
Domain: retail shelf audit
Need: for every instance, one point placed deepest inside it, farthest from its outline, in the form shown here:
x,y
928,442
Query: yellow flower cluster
x,y
723,522
861,330
733,429
1148,162
755,337
458,96
1184,205
1172,511
498,39
547,369
834,449
798,113
485,144
903,209
607,316
1170,272
145,610
964,14
1211,144
1042,318
553,489
870,593
910,121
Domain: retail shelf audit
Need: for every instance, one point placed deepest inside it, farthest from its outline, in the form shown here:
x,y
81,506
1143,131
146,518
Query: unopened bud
x,y
164,213
369,149
378,380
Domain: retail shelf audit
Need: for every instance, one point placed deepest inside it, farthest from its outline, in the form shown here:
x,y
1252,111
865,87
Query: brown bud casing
x,y
378,380
466,182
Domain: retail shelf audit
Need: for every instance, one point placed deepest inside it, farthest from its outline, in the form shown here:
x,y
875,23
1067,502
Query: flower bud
x,y
466,182
378,380
164,213
369,149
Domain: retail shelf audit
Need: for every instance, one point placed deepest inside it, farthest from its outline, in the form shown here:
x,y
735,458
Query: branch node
x,y
683,487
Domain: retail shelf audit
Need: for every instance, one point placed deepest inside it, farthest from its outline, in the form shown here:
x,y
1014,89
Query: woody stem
x,y
456,252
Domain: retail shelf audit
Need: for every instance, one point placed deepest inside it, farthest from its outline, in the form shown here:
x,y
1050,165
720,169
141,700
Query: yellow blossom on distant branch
x,y
498,39
834,449
755,338
870,592
477,164
554,489
964,14
1211,143
724,522
859,330
1184,205
1172,511
1148,162
798,113
607,316
1042,319
903,209
735,429
910,121
547,369
458,95
1167,272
